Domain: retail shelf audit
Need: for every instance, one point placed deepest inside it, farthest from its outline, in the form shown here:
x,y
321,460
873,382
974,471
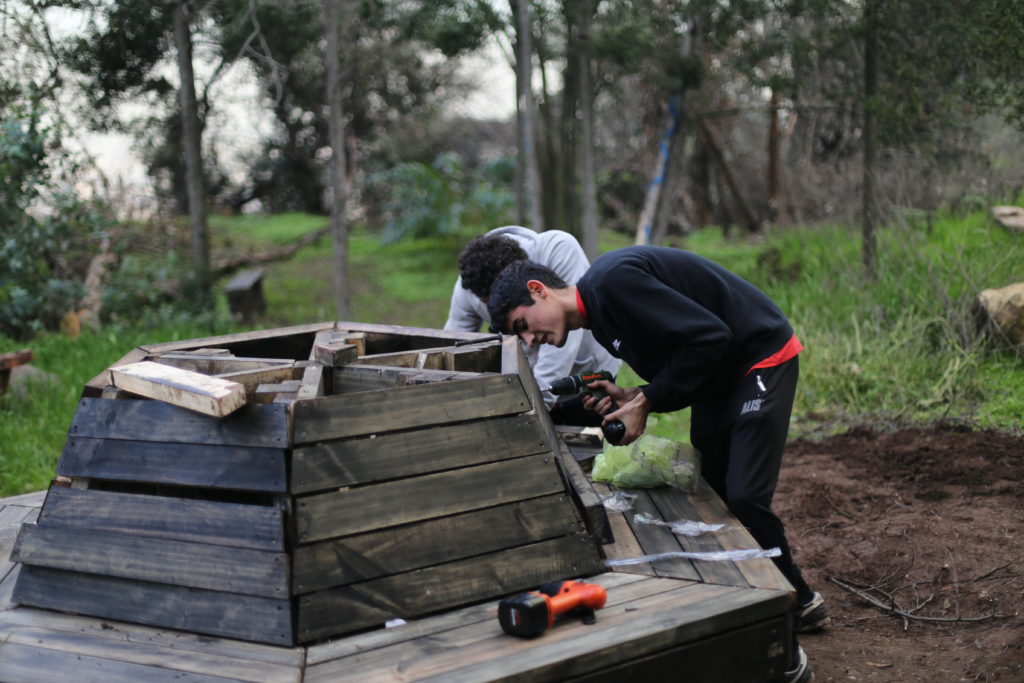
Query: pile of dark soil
x,y
926,526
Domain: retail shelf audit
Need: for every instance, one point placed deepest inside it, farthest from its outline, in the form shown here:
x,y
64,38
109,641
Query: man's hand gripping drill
x,y
625,410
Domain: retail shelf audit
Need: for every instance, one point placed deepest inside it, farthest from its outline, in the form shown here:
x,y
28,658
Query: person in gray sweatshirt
x,y
480,262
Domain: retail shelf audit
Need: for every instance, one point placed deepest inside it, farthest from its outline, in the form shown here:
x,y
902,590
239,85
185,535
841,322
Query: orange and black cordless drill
x,y
529,614
614,430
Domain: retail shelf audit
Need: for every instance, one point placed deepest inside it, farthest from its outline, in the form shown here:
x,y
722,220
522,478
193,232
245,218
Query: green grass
x,y
898,349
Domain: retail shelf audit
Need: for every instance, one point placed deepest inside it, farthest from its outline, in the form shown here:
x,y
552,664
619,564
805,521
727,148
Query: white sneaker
x,y
801,673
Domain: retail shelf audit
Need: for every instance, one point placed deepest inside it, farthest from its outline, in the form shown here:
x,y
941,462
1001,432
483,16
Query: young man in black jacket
x,y
700,336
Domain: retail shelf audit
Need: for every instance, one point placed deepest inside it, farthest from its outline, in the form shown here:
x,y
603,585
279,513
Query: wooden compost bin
x,y
408,476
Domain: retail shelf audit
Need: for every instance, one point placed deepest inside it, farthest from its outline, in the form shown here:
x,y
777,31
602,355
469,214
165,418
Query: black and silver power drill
x,y
573,384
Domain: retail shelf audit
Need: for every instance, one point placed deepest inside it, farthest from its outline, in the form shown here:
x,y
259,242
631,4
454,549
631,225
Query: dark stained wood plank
x,y
625,631
675,505
353,378
350,511
760,573
584,495
178,563
180,641
656,539
210,465
484,357
752,654
252,426
189,609
30,664
426,590
413,546
138,654
332,654
8,578
256,527
514,362
408,407
640,618
343,463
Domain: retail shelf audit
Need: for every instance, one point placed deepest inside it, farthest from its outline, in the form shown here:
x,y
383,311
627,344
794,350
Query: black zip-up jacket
x,y
686,325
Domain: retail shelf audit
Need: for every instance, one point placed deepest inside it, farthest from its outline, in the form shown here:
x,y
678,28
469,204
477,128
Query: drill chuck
x,y
575,384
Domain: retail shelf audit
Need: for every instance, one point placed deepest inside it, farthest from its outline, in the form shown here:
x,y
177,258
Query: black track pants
x,y
741,437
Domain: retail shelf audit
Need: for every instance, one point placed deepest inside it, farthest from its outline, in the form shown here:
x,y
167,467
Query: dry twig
x,y
893,608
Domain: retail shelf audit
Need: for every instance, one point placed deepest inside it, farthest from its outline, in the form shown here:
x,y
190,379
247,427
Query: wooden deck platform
x,y
715,621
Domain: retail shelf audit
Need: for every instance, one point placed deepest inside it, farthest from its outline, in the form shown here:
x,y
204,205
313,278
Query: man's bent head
x,y
511,290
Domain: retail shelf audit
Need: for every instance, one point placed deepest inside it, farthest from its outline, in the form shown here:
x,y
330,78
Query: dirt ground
x,y
926,521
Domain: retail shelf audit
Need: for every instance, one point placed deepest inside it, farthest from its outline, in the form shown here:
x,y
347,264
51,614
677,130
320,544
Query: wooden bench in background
x,y
10,360
245,294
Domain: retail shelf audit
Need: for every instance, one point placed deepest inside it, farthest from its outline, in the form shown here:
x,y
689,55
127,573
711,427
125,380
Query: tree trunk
x,y
191,134
588,179
726,173
524,62
645,225
772,212
336,133
870,200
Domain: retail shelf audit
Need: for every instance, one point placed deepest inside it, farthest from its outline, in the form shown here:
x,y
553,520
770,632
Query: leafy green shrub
x,y
43,252
443,199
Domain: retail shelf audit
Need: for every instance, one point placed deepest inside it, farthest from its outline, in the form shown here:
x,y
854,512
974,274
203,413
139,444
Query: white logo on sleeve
x,y
616,343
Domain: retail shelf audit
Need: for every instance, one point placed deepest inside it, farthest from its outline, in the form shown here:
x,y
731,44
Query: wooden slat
x,y
477,357
752,654
94,387
145,660
200,521
585,496
34,499
184,388
227,648
657,539
648,621
514,362
190,609
178,563
625,631
375,554
332,654
314,382
377,506
353,461
760,573
355,378
426,590
345,415
20,663
674,505
251,379
215,466
254,426
217,364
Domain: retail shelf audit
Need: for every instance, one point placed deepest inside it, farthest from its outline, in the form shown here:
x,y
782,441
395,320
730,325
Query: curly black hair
x,y
483,258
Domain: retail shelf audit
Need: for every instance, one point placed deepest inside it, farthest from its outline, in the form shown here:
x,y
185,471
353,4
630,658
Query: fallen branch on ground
x,y
893,608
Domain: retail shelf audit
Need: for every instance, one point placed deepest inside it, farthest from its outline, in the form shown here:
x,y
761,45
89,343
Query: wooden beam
x,y
376,412
243,467
183,388
257,527
376,506
158,560
332,464
426,590
375,554
230,615
134,419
